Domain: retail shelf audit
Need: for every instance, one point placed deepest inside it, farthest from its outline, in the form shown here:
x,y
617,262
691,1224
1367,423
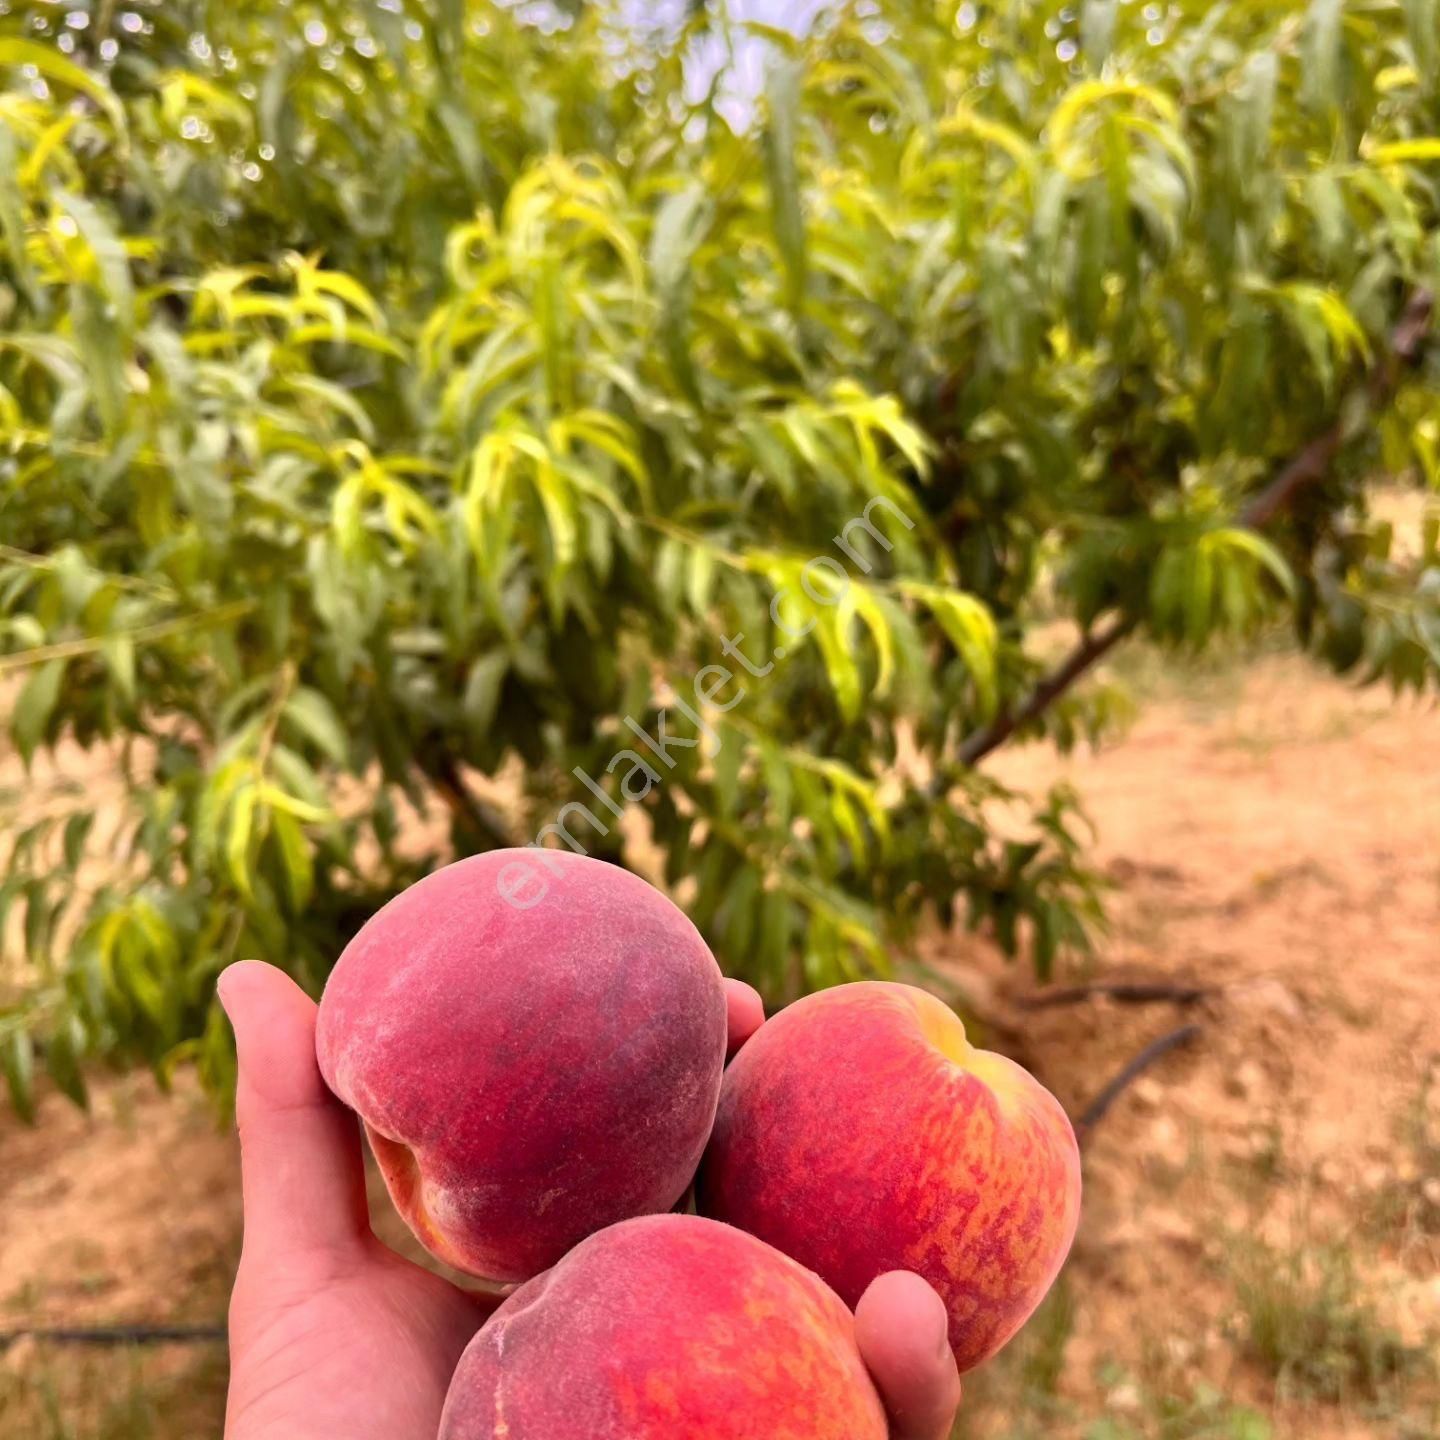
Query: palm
x,y
366,1353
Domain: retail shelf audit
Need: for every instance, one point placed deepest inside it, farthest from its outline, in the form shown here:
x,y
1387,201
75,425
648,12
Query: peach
x,y
670,1327
531,1072
860,1132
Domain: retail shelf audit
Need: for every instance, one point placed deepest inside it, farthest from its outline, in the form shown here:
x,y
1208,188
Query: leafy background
x,y
396,398
393,398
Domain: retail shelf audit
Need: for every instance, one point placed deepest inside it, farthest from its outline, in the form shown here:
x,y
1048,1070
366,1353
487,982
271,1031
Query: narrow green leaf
x,y
970,628
295,857
310,713
39,922
1167,591
840,667
276,111
103,351
77,829
726,765
111,261
1265,554
1092,254
482,691
12,217
62,1062
118,652
779,786
740,916
700,578
1235,598
781,139
680,226
34,706
1326,199
133,972
299,779
239,837
1422,20
773,944
216,1059
1320,52
17,1058
54,66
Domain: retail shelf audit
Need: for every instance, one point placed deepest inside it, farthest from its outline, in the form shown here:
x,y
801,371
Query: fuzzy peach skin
x,y
670,1327
527,1075
860,1132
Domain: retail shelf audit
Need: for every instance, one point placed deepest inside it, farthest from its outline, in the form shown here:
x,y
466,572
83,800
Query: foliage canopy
x,y
397,395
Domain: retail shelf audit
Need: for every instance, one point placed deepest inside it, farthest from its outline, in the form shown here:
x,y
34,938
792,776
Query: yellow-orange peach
x,y
670,1327
860,1132
528,1072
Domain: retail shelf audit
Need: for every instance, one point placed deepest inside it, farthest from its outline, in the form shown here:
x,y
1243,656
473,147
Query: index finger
x,y
745,1013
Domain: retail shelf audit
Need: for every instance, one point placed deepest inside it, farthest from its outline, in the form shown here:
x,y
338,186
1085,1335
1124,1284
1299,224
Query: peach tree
x,y
412,415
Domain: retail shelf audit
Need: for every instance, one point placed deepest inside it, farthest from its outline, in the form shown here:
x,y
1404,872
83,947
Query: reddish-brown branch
x,y
468,808
1305,468
1097,643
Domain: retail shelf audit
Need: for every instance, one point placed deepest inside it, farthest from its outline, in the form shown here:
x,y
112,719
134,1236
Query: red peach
x,y
528,1073
670,1327
860,1132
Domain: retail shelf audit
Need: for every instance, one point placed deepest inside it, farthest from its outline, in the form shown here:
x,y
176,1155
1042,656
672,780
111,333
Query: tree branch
x,y
467,807
1097,643
142,635
1305,468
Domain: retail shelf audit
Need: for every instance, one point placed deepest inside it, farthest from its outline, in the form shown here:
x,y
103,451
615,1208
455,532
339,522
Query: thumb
x,y
903,1333
300,1161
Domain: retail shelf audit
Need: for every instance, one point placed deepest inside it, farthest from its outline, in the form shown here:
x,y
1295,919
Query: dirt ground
x,y
1262,1214
1260,1249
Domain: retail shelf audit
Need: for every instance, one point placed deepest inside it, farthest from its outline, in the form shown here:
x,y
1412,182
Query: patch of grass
x,y
1210,681
1176,1177
1306,1324
1408,1209
1263,1166
1203,1414
1017,1397
1022,1382
1041,1358
23,1300
126,1395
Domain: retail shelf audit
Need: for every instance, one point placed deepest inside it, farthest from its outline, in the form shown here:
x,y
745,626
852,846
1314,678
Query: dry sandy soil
x,y
1260,1252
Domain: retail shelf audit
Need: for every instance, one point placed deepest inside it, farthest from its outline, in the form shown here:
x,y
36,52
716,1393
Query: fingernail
x,y
225,987
225,990
940,1321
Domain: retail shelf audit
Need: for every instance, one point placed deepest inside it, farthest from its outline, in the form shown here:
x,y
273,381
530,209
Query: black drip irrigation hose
x,y
1100,1105
105,1336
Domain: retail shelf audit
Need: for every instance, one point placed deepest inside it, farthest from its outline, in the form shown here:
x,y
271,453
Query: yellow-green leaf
x,y
54,66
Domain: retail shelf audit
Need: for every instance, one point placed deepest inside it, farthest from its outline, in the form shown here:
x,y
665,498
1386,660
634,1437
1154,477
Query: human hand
x,y
332,1333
